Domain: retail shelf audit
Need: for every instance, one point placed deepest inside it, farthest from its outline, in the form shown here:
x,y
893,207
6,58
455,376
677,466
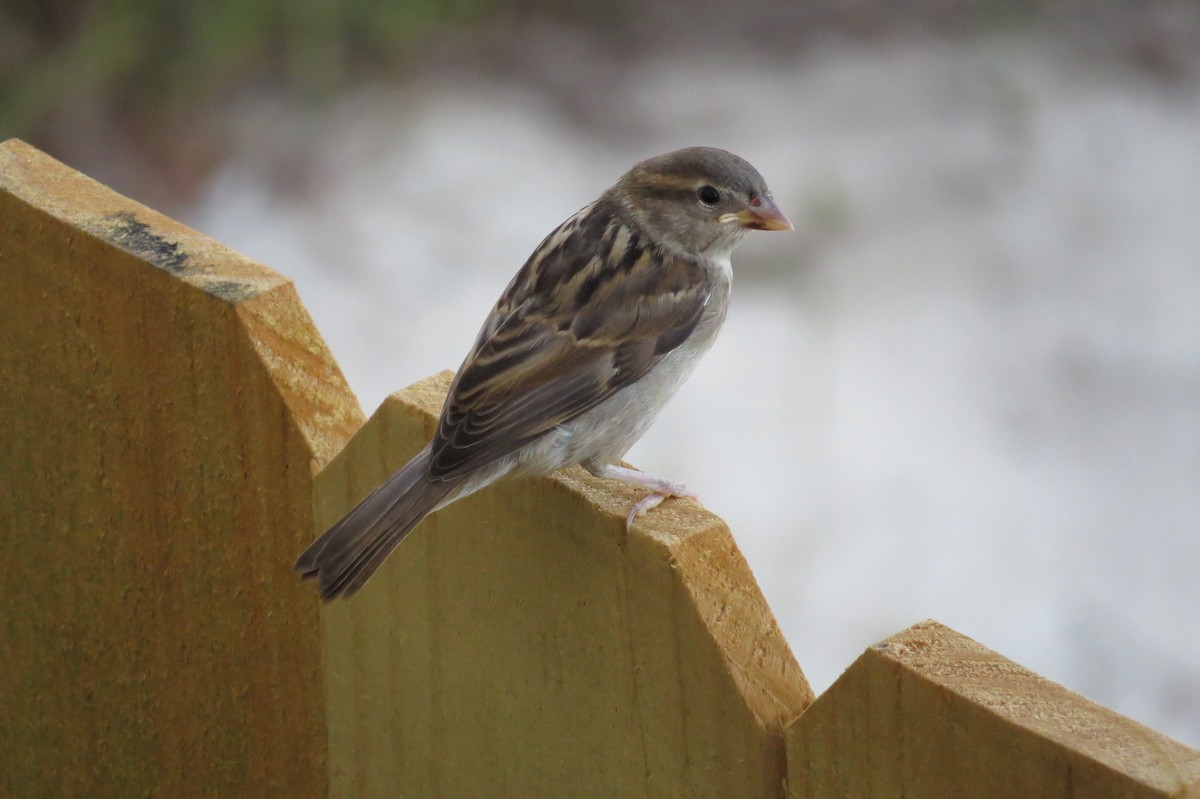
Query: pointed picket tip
x,y
931,713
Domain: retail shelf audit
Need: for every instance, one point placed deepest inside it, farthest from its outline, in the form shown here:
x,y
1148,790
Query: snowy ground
x,y
968,388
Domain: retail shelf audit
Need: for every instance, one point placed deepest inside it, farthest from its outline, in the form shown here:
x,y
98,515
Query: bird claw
x,y
642,507
652,500
660,488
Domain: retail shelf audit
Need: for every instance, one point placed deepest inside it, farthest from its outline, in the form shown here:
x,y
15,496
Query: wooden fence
x,y
176,432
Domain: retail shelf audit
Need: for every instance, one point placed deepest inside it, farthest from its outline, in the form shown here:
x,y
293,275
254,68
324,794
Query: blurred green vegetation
x,y
151,55
151,60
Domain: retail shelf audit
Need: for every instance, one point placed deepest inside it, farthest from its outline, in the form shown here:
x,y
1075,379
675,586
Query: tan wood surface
x,y
518,643
931,713
164,403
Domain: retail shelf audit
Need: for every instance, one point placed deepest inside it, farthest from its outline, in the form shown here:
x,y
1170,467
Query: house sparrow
x,y
602,324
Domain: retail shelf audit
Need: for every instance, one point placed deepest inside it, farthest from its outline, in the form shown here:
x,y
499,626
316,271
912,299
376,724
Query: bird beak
x,y
761,214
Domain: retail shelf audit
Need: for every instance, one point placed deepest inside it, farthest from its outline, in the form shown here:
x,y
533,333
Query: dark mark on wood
x,y
138,239
230,290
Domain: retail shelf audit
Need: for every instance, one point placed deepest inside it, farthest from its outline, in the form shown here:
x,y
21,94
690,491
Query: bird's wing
x,y
591,312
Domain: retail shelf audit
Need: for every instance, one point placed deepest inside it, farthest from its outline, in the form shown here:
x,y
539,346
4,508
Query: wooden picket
x,y
929,712
176,431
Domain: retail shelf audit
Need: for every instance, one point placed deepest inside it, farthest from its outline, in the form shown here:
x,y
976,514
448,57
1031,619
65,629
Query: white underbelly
x,y
604,434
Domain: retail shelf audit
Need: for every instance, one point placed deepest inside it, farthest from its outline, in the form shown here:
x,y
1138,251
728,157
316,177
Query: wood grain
x,y
496,655
931,713
165,403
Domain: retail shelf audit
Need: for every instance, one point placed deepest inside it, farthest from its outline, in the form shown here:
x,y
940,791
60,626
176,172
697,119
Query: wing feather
x,y
591,312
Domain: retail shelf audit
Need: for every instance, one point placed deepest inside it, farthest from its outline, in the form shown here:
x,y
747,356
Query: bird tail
x,y
347,555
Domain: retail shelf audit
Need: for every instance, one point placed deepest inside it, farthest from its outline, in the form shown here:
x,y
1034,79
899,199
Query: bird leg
x,y
660,488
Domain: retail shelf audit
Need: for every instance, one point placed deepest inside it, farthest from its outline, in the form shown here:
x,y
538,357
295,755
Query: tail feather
x,y
353,549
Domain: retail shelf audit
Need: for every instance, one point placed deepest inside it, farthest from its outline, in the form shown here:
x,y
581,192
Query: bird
x,y
597,330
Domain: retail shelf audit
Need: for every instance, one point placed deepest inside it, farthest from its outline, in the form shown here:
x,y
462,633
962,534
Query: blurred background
x,y
967,387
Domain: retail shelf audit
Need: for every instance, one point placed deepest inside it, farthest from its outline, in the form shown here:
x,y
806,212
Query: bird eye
x,y
708,195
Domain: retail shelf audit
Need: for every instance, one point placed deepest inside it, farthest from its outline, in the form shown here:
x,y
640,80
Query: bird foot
x,y
660,489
